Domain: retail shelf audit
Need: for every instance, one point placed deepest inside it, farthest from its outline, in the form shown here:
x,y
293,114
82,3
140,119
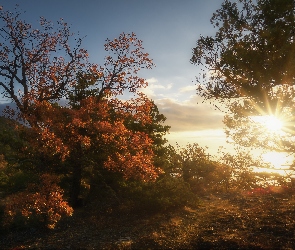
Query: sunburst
x,y
271,123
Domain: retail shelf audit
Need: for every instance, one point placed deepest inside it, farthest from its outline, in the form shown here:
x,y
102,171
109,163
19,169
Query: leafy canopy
x,y
74,110
249,65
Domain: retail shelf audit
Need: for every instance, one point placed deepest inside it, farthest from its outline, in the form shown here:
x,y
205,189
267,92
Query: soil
x,y
218,222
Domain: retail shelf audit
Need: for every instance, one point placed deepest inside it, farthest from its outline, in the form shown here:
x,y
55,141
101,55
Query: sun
x,y
271,123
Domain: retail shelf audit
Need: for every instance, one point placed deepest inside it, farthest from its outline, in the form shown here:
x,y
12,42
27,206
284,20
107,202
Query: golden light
x,y
279,162
277,159
271,123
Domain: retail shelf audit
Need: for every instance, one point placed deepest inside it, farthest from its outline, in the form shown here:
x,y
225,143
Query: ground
x,y
227,221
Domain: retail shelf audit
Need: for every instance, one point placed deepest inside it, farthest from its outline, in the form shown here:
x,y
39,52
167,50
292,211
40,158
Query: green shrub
x,y
164,194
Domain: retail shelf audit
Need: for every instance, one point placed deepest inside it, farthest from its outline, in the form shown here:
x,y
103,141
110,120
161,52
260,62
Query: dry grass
x,y
218,222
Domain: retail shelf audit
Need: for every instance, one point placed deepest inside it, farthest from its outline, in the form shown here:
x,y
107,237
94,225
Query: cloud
x,y
188,88
151,80
194,121
211,138
190,115
154,90
169,86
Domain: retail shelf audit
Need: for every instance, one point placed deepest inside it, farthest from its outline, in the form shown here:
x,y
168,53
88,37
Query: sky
x,y
169,30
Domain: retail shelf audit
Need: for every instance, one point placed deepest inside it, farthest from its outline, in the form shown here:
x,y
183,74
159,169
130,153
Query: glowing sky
x,y
169,30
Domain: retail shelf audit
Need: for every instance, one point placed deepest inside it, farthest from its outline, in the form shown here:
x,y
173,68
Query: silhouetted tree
x,y
249,66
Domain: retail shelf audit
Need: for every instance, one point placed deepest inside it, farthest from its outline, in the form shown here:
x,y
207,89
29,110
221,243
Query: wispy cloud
x,y
193,121
152,80
154,90
189,88
190,115
211,138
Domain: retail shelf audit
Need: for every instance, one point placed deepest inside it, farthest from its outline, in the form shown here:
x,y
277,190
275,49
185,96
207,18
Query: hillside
x,y
218,222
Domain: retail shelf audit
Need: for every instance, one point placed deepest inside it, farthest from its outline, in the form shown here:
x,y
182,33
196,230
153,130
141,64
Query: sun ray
x,y
272,124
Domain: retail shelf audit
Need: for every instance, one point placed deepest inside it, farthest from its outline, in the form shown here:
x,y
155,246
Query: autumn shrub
x,y
41,201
